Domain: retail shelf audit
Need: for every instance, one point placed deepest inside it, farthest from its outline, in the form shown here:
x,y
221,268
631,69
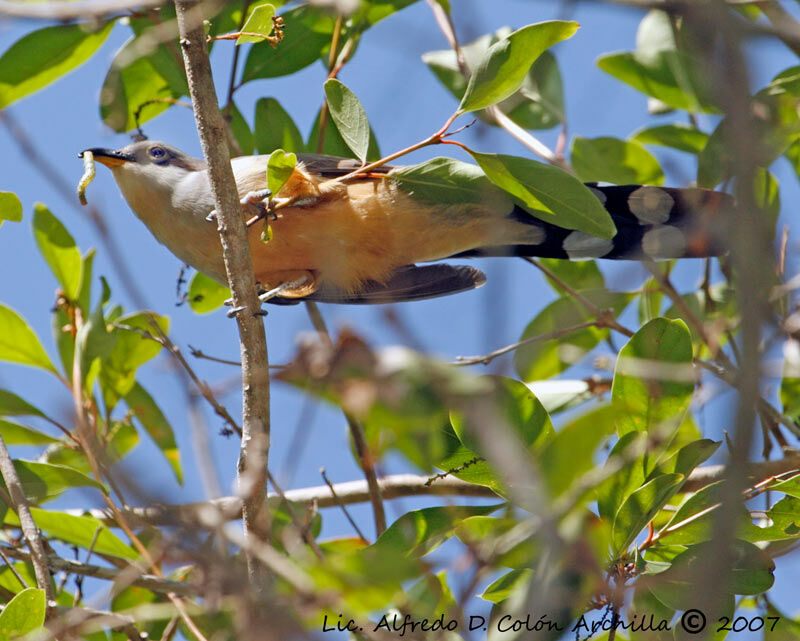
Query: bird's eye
x,y
157,152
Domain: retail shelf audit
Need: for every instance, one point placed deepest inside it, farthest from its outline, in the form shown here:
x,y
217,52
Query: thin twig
x,y
254,451
488,358
341,504
19,503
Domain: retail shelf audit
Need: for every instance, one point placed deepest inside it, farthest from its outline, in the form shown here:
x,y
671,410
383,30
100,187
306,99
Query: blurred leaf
x,y
279,169
58,249
275,128
561,394
19,344
259,21
505,65
615,161
16,434
654,377
10,207
544,359
670,76
677,136
144,408
419,532
578,274
307,36
485,533
370,13
146,84
751,569
614,491
23,614
787,628
446,180
80,530
513,404
206,295
44,481
640,508
13,405
349,115
241,130
569,455
431,597
44,55
131,349
118,441
507,584
688,457
548,193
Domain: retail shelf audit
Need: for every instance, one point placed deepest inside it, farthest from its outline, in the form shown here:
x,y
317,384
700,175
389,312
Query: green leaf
x,y
23,614
44,55
18,343
506,64
16,434
549,193
613,492
10,207
241,130
615,161
640,508
539,102
507,585
677,136
13,405
144,408
446,180
522,413
307,35
44,481
259,21
419,532
130,350
654,377
349,115
578,274
275,128
58,249
571,453
147,84
206,295
670,76
334,144
279,169
751,569
543,359
80,530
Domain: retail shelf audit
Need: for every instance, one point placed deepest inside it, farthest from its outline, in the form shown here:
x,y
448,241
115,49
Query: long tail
x,y
652,222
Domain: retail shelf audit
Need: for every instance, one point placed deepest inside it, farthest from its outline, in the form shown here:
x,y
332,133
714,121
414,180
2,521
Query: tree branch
x,y
254,451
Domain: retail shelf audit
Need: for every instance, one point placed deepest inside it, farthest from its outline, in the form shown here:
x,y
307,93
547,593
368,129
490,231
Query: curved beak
x,y
109,157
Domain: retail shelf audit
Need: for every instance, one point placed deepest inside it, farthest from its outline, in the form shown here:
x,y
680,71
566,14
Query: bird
x,y
359,241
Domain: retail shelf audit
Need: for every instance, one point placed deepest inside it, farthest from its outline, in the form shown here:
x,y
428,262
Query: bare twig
x,y
19,503
239,269
72,10
341,504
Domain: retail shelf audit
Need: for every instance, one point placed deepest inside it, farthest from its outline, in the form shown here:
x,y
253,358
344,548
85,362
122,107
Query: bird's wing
x,y
333,166
406,284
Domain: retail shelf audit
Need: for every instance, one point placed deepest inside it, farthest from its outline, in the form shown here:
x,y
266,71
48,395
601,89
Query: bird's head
x,y
147,172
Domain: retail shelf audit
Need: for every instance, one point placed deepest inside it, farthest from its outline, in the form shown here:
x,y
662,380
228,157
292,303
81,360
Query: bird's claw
x,y
277,291
259,199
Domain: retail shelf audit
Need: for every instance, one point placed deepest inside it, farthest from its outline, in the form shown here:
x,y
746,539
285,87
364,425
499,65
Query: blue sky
x,y
64,119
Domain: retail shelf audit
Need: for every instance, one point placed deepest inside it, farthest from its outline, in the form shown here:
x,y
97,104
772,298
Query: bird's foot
x,y
258,199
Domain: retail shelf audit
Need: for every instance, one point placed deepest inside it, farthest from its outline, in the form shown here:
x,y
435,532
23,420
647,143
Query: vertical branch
x,y
31,533
239,269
